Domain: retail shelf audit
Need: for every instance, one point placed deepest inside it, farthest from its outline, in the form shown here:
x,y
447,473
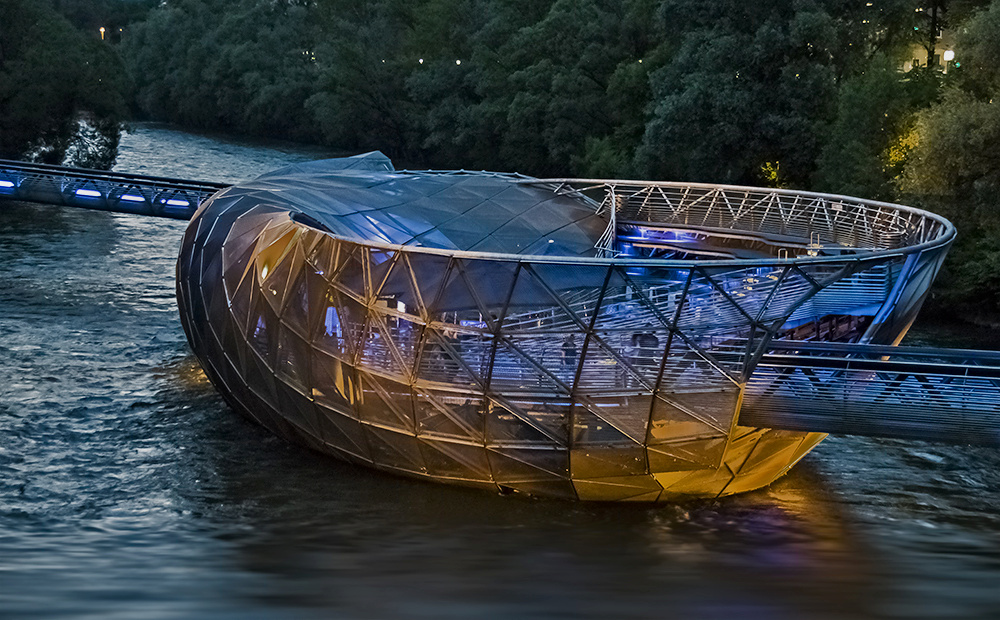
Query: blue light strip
x,y
133,198
6,184
89,193
178,203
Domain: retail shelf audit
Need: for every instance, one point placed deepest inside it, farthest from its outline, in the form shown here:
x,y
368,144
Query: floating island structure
x,y
582,339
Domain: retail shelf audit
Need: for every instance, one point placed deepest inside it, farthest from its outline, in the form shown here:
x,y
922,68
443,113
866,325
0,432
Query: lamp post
x,y
102,33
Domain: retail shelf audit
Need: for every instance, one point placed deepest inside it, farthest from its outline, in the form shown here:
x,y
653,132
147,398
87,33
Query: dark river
x,y
128,489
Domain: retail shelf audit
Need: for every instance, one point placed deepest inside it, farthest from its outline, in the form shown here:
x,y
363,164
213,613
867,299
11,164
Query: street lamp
x,y
102,33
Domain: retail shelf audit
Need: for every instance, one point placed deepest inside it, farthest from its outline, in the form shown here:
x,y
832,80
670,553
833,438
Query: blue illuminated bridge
x,y
589,339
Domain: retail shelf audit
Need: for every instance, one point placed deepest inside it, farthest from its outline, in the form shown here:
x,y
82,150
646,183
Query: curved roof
x,y
480,212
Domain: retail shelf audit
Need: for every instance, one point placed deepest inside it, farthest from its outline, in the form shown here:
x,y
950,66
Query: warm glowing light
x,y
458,62
949,55
102,33
421,61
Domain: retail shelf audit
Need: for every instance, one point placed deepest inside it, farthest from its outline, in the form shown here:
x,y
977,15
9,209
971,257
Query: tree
x,y
954,166
247,66
57,87
751,84
361,102
868,141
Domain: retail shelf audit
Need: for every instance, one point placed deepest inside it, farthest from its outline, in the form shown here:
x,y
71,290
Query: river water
x,y
129,490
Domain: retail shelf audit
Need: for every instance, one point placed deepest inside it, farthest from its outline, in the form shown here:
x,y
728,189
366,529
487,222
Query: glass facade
x,y
470,327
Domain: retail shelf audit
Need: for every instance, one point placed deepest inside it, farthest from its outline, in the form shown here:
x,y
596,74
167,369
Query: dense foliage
x,y
725,90
63,93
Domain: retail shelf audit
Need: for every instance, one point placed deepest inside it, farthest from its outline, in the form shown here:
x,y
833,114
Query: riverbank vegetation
x,y
809,94
63,90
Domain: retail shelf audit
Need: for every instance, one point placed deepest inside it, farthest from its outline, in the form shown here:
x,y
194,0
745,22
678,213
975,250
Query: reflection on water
x,y
127,489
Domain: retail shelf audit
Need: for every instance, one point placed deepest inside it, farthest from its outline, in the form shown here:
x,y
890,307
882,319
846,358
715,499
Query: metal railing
x,y
903,392
778,214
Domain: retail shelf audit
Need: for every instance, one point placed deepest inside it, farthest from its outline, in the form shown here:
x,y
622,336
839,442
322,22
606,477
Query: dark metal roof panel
x,y
366,199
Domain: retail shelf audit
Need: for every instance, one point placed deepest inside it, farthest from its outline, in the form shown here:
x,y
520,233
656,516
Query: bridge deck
x,y
902,392
102,190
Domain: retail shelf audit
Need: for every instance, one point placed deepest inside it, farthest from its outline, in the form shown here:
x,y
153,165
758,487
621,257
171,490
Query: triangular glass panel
x,y
700,309
235,272
769,451
605,462
709,482
238,241
450,415
603,370
522,464
591,430
459,304
629,413
579,286
297,409
715,407
350,274
323,255
293,358
399,290
296,311
333,383
429,273
619,489
442,361
687,455
672,422
380,262
532,308
234,344
455,460
276,282
217,308
506,425
690,363
385,403
341,325
343,433
709,305
516,369
259,378
395,450
241,301
251,222
262,330
379,352
628,309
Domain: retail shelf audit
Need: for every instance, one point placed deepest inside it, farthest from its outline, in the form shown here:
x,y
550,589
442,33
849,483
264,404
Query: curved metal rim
x,y
947,236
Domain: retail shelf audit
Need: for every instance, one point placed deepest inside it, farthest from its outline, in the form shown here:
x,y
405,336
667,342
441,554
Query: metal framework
x,y
568,338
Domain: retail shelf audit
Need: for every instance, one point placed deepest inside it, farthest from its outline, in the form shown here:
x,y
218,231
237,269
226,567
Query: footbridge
x,y
919,393
102,190
931,394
